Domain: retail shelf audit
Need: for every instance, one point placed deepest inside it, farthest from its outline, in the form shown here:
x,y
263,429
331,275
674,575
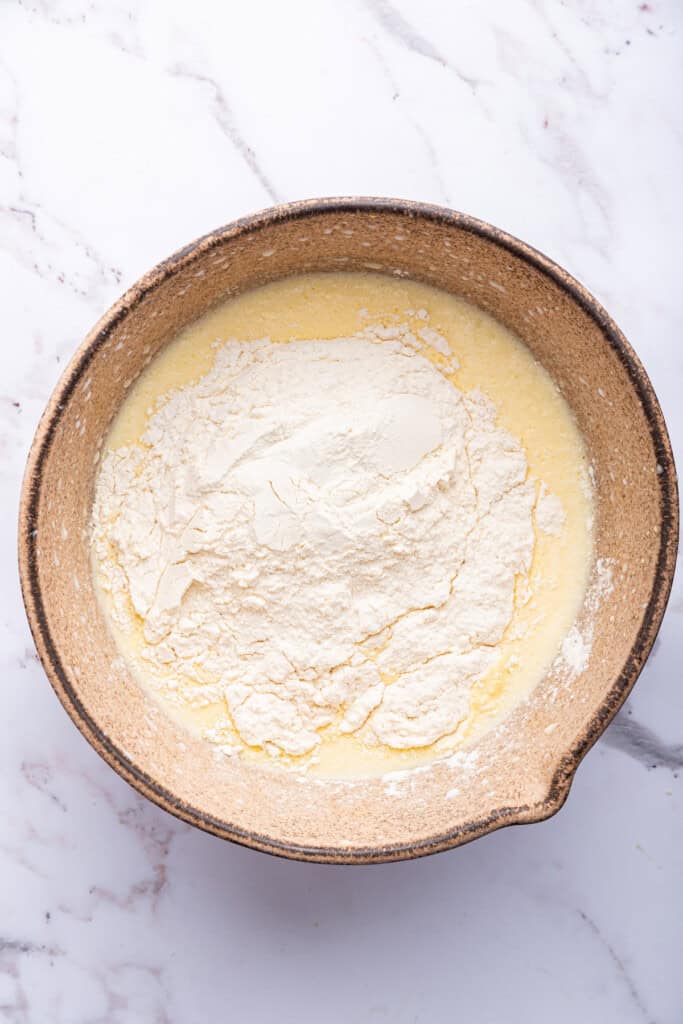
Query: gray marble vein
x,y
26,947
226,119
631,737
621,968
393,22
424,137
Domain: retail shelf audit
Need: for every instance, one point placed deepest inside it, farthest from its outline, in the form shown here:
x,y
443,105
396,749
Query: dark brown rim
x,y
652,616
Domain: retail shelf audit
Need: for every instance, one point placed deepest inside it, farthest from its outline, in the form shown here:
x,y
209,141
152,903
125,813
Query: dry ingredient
x,y
322,533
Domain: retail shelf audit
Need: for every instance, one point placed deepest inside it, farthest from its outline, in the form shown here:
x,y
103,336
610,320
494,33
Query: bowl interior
x,y
521,772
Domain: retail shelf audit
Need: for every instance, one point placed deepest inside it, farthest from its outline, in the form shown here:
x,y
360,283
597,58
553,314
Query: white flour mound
x,y
318,532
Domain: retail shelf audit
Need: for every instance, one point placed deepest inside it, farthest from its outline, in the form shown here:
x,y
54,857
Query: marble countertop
x,y
128,129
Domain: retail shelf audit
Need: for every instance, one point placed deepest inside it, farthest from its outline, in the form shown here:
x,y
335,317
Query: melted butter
x,y
490,358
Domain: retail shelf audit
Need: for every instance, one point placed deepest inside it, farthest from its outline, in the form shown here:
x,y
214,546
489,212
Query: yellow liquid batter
x,y
492,359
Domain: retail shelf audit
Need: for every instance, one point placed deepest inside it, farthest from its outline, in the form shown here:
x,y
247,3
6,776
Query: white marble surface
x,y
127,129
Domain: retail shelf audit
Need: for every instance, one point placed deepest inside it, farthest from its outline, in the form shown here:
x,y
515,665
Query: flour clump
x,y
320,533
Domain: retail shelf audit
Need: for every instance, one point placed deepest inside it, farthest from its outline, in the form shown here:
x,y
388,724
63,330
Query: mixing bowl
x,y
520,772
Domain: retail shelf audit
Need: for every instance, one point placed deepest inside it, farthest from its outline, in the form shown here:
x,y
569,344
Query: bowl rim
x,y
566,767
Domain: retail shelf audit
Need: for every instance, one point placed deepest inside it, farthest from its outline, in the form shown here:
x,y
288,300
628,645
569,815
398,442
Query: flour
x,y
575,651
549,513
574,654
319,533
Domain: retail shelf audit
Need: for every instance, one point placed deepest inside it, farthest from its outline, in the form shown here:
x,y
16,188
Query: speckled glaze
x,y
520,773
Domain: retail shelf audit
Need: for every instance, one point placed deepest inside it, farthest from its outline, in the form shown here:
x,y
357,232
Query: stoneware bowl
x,y
522,772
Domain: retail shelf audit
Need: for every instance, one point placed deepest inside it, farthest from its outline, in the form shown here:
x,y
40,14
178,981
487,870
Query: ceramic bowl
x,y
520,773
